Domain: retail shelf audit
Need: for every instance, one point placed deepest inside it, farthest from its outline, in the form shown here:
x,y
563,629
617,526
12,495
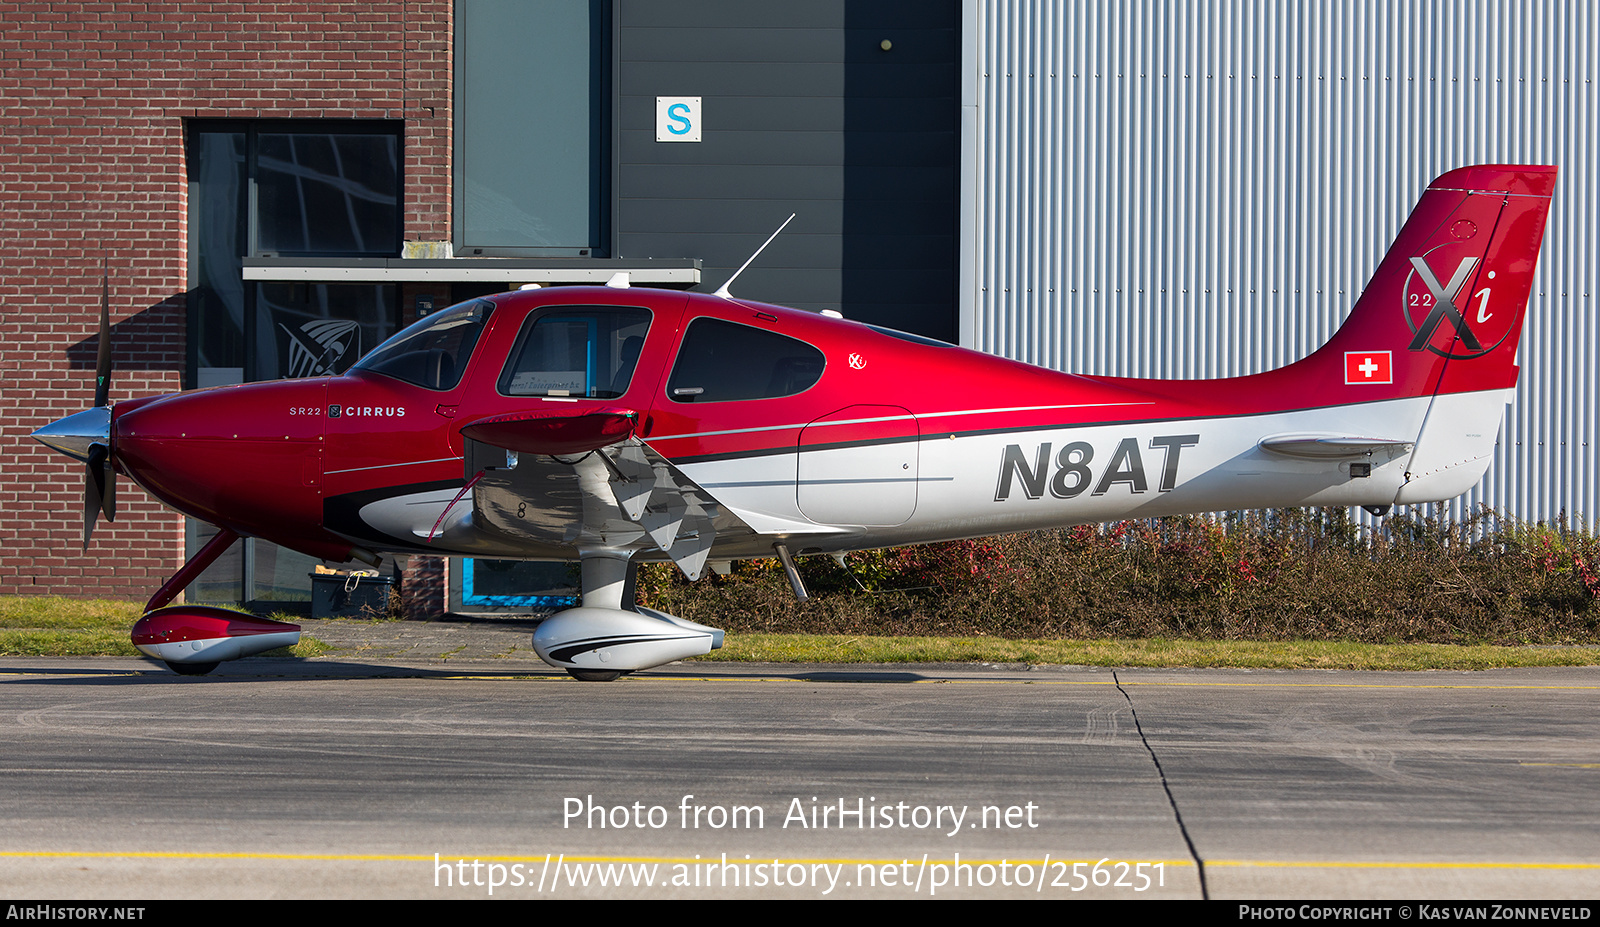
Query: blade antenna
x,y
723,290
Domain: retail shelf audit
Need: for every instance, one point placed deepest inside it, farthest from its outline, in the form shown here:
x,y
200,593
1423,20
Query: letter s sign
x,y
677,119
678,115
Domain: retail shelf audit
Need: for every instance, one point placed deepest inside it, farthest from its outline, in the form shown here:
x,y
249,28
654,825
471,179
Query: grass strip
x,y
58,612
804,648
53,626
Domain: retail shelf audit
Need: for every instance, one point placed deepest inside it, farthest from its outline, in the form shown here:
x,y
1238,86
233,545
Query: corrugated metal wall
x,y
1201,189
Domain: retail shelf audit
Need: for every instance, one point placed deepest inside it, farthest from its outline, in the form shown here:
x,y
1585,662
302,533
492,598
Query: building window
x,y
326,192
532,128
313,188
283,188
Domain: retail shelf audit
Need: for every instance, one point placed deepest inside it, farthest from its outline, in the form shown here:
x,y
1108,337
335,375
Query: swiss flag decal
x,y
1368,367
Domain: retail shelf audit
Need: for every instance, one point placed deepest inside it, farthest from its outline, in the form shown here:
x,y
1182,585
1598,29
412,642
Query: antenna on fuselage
x,y
723,290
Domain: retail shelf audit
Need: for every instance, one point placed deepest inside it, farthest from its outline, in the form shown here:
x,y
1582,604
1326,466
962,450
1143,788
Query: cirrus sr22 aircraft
x,y
617,425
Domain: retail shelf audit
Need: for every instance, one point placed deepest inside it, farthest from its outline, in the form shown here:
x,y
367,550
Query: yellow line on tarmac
x,y
1351,685
804,678
63,674
162,854
1377,864
451,859
751,858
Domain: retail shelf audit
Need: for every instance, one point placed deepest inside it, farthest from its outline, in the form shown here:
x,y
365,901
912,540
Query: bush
x,y
1292,574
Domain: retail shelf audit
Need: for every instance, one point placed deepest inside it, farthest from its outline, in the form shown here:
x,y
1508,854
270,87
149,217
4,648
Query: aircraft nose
x,y
77,434
245,456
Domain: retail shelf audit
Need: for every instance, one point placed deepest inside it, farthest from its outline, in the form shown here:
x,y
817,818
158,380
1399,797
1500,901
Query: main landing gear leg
x,y
193,639
606,578
608,636
607,583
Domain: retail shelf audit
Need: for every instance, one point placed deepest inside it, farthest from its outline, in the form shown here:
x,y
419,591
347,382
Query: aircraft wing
x,y
568,480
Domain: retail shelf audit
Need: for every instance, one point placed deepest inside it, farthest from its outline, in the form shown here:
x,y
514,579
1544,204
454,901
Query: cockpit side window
x,y
433,352
723,361
588,351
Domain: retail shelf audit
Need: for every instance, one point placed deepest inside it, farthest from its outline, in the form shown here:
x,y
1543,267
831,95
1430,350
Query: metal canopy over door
x,y
858,466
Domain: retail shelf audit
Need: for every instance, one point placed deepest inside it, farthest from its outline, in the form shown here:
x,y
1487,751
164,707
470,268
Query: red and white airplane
x,y
615,425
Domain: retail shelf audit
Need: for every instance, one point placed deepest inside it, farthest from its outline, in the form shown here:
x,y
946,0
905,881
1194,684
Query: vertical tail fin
x,y
1428,353
1443,313
1442,318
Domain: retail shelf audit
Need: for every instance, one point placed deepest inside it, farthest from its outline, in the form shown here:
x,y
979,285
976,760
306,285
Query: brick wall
x,y
424,588
93,99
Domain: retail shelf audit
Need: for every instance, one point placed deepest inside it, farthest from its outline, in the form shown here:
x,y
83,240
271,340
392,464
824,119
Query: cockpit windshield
x,y
433,352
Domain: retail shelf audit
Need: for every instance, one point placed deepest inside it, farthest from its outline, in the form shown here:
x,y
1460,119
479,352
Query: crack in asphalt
x,y
1200,864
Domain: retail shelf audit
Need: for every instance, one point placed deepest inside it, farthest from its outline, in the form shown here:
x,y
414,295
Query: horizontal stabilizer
x,y
1330,446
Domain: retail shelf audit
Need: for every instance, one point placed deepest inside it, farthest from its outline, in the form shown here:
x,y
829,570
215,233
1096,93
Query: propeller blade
x,y
108,499
100,477
102,360
94,489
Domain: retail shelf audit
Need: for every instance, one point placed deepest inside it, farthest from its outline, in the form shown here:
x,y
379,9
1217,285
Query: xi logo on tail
x,y
1423,293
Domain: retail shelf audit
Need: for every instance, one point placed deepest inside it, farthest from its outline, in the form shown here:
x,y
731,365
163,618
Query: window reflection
x,y
434,351
327,193
319,328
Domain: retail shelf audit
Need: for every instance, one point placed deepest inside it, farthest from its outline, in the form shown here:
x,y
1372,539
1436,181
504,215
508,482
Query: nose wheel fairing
x,y
193,639
203,635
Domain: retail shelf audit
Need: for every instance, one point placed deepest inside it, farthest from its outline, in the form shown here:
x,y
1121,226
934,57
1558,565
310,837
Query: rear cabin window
x,y
586,351
724,361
